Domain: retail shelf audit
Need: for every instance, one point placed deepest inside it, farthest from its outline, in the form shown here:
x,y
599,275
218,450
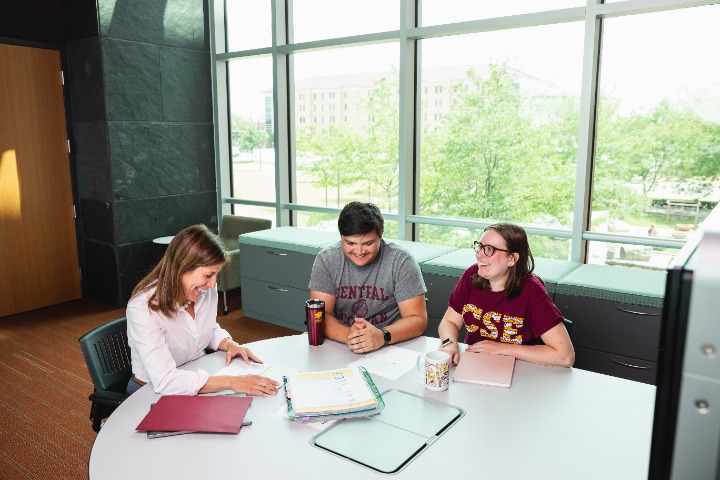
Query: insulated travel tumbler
x,y
315,321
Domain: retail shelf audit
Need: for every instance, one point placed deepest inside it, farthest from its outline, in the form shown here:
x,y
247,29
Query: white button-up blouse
x,y
158,344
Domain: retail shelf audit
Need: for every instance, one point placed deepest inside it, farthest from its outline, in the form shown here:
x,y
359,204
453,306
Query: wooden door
x,y
38,247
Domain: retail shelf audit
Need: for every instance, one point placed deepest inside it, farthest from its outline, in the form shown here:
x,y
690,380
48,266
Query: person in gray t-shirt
x,y
374,292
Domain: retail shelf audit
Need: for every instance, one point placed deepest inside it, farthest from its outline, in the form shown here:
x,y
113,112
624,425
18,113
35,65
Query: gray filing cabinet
x,y
616,313
276,267
442,274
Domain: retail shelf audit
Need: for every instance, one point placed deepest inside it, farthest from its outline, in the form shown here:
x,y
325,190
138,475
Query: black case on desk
x,y
409,424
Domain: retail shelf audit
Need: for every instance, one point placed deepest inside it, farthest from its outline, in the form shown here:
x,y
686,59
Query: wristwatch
x,y
446,342
386,335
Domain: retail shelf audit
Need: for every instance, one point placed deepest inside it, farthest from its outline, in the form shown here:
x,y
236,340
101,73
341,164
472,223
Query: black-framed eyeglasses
x,y
488,250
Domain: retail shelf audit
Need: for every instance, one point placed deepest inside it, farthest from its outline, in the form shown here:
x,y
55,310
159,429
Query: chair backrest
x,y
568,326
233,226
107,355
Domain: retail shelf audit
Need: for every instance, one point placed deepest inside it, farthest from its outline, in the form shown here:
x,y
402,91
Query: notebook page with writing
x,y
485,369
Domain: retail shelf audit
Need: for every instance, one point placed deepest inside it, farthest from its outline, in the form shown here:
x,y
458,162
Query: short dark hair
x,y
358,218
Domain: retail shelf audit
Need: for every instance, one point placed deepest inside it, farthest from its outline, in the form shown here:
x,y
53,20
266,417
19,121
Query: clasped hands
x,y
364,336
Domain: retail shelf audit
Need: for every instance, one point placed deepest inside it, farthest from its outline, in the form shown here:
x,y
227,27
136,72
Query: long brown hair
x,y
517,242
193,247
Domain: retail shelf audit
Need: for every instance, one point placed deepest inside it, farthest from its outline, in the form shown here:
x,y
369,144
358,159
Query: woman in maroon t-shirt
x,y
504,306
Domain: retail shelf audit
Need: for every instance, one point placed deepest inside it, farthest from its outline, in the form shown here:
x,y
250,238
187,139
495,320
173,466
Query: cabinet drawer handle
x,y
277,253
631,366
277,289
638,313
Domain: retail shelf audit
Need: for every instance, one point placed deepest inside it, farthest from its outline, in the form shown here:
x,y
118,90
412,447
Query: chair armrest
x,y
105,397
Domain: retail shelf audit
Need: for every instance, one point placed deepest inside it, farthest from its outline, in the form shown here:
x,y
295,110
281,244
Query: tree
x,y
337,156
478,163
247,136
378,159
327,155
635,153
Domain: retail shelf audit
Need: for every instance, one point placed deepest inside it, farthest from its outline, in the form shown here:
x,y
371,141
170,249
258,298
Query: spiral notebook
x,y
485,369
331,394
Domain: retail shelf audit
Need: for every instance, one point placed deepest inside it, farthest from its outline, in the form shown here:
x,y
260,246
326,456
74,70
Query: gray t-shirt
x,y
371,291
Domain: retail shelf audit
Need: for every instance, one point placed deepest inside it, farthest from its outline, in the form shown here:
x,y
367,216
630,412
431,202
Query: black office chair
x,y
107,356
568,326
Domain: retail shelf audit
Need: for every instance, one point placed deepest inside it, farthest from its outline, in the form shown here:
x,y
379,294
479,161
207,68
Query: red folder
x,y
217,414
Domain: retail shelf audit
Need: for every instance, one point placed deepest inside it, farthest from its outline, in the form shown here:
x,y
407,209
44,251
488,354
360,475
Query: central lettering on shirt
x,y
511,325
489,320
488,323
476,313
371,292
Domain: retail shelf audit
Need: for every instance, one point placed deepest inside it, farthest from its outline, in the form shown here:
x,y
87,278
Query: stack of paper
x,y
331,394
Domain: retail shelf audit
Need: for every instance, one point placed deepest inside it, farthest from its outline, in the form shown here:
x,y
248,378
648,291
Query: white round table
x,y
552,422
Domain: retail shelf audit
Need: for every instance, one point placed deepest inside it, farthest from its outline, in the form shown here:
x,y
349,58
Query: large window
x,y
438,12
346,126
656,150
484,124
252,152
321,19
595,128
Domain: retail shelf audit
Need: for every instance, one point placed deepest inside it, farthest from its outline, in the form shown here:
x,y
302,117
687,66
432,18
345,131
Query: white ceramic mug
x,y
434,367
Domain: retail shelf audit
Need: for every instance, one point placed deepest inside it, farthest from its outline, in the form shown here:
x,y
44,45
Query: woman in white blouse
x,y
171,319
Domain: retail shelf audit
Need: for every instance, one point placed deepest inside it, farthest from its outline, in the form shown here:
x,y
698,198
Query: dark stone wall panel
x,y
181,211
186,87
181,23
138,220
132,80
135,261
206,157
153,159
143,219
85,79
93,160
101,273
97,220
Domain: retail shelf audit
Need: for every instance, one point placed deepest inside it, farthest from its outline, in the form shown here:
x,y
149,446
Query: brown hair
x,y
193,247
517,242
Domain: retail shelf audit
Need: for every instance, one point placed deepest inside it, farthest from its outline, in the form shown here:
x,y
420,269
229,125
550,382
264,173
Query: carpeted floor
x,y
45,432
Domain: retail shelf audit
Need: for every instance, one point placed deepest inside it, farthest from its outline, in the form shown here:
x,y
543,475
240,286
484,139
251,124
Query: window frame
x,y
408,35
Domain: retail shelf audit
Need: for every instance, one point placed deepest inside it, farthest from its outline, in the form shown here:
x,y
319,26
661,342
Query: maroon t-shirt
x,y
491,315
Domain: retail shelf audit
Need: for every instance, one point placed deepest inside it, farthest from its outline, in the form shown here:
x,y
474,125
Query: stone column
x,y
142,123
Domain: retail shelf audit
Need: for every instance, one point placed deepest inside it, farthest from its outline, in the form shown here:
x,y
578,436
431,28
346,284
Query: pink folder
x,y
217,414
485,369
